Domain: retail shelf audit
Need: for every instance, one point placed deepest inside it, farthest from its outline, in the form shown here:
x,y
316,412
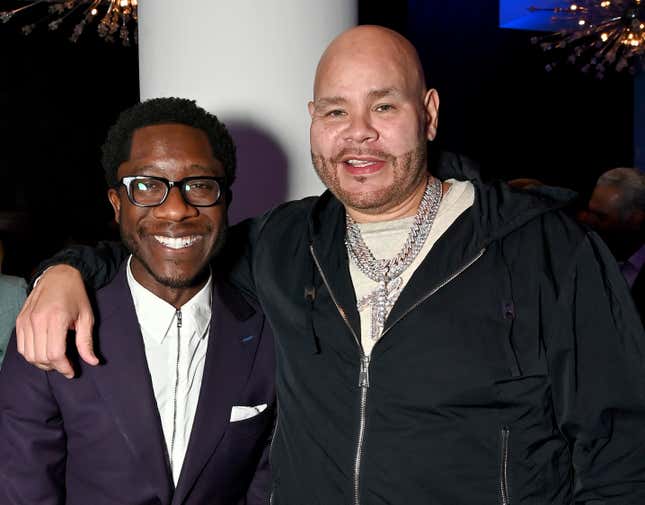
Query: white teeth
x,y
177,242
359,163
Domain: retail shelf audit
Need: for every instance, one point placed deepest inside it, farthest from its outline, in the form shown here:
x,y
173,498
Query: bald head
x,y
630,186
375,46
371,117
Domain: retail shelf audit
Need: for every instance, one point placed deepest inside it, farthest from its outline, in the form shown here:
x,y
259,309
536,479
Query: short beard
x,y
375,202
177,282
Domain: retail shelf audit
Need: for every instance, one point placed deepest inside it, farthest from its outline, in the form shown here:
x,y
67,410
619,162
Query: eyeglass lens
x,y
149,191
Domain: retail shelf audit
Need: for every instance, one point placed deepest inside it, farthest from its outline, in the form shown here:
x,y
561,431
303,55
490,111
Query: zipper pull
x,y
508,310
178,314
364,376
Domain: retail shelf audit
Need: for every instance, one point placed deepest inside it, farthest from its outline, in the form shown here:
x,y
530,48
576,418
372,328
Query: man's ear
x,y
311,107
431,106
115,201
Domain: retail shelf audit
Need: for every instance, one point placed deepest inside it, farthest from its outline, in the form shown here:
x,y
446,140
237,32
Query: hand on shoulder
x,y
58,303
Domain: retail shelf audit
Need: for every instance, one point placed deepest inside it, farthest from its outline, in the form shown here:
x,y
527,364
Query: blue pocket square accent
x,y
248,338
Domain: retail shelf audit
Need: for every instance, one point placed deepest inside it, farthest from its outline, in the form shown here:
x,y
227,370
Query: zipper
x,y
442,284
331,293
503,470
275,432
363,382
174,400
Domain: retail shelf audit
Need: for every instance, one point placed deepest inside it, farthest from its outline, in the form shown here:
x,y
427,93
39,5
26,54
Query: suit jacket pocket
x,y
253,426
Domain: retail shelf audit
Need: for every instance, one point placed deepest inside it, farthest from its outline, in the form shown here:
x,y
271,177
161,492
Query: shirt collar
x,y
157,316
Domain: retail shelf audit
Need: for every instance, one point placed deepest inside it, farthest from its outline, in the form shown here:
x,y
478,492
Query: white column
x,y
252,64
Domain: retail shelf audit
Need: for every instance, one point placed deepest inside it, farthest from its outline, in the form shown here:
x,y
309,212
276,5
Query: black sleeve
x,y
98,265
237,259
596,351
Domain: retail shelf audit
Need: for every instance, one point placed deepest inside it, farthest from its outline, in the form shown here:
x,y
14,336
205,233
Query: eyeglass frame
x,y
125,181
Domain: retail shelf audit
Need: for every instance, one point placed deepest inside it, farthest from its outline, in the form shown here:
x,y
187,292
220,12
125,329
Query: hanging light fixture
x,y
113,18
600,35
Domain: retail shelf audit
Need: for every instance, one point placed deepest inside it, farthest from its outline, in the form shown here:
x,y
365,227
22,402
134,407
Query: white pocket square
x,y
241,412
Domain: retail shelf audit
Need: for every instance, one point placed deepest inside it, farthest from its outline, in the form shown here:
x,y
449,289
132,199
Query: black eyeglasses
x,y
150,191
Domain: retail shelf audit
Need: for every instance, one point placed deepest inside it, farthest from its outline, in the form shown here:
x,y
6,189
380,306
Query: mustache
x,y
349,151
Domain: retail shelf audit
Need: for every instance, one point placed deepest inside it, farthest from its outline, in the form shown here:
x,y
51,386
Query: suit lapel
x,y
124,382
228,364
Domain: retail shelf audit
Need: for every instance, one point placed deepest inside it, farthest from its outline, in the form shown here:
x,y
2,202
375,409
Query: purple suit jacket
x,y
97,439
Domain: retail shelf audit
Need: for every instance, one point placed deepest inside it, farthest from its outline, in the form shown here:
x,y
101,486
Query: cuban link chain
x,y
387,272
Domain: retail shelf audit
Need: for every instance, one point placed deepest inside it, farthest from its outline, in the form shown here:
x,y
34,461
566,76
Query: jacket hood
x,y
499,209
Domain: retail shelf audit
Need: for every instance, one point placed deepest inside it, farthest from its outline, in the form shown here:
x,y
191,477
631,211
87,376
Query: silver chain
x,y
386,272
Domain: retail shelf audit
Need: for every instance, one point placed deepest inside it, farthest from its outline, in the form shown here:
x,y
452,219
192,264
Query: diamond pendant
x,y
383,301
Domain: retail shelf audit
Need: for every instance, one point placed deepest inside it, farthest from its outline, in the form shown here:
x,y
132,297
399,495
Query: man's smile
x,y
177,242
363,166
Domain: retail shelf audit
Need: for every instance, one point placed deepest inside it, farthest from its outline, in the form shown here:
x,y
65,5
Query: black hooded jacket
x,y
510,370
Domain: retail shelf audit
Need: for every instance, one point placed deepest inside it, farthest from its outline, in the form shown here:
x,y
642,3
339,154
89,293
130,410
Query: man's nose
x,y
175,208
361,129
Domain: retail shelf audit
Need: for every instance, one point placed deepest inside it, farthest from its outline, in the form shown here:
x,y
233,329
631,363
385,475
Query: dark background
x,y
498,106
57,100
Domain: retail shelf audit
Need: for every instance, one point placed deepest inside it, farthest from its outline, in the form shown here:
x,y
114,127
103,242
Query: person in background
x,y
13,291
616,211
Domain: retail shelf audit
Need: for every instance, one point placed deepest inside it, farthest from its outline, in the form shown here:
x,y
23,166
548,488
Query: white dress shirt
x,y
175,354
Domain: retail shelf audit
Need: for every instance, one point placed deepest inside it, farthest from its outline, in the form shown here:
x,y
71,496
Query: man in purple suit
x,y
181,409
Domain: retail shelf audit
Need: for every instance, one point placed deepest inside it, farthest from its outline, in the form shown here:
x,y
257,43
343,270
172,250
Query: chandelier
x,y
113,18
599,35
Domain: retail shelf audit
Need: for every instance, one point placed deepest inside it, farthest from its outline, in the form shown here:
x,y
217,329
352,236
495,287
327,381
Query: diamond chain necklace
x,y
387,272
